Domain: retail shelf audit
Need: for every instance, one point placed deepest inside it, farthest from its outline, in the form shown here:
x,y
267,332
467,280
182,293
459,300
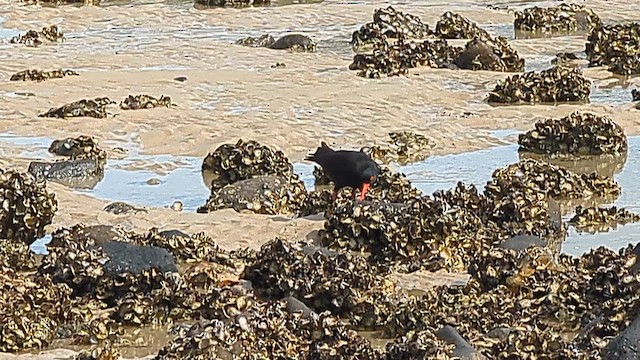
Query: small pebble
x,y
177,206
153,181
279,65
180,78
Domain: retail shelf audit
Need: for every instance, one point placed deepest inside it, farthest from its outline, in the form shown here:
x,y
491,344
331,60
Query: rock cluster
x,y
27,206
86,107
40,75
558,84
575,134
616,46
35,38
564,17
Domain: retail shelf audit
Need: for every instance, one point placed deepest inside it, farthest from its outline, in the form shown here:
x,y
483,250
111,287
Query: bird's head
x,y
370,175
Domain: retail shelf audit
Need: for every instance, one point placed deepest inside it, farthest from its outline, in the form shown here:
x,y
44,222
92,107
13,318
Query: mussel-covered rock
x,y
397,58
486,53
243,160
455,26
575,134
86,107
558,84
423,232
232,3
265,194
616,46
418,345
517,304
269,331
291,42
35,38
322,279
390,187
391,24
593,219
635,94
16,256
104,351
27,206
105,269
404,147
39,75
143,101
31,309
80,147
554,181
564,17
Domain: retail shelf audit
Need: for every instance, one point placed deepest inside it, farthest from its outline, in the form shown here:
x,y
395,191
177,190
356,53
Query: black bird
x,y
354,169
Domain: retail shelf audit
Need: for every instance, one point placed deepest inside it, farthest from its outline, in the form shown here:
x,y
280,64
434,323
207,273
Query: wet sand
x,y
231,92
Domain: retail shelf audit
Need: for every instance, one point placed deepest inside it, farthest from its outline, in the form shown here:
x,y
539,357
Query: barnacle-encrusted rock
x,y
565,17
265,194
575,134
36,38
455,26
80,147
594,219
39,75
232,3
269,331
397,58
291,42
143,101
86,107
234,162
16,256
31,309
27,206
404,147
389,23
321,278
616,46
558,84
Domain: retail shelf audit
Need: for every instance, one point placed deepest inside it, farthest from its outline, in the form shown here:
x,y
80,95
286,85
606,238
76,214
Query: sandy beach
x,y
232,92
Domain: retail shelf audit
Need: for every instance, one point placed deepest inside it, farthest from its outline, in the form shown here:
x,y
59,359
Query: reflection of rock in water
x,y
80,174
604,165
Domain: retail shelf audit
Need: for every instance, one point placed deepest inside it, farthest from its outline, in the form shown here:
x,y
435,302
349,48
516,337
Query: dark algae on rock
x,y
40,75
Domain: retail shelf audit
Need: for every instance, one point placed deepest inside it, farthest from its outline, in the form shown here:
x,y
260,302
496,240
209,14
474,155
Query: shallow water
x,y
181,179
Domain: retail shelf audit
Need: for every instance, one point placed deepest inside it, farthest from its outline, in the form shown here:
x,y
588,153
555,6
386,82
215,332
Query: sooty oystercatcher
x,y
354,169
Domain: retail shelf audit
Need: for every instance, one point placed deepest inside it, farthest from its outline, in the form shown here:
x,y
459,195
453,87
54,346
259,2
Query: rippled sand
x,y
123,48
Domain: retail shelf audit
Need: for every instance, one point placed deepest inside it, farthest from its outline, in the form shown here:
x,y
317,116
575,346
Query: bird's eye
x,y
372,178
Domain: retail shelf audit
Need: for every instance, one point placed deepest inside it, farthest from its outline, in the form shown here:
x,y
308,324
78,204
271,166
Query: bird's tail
x,y
320,151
